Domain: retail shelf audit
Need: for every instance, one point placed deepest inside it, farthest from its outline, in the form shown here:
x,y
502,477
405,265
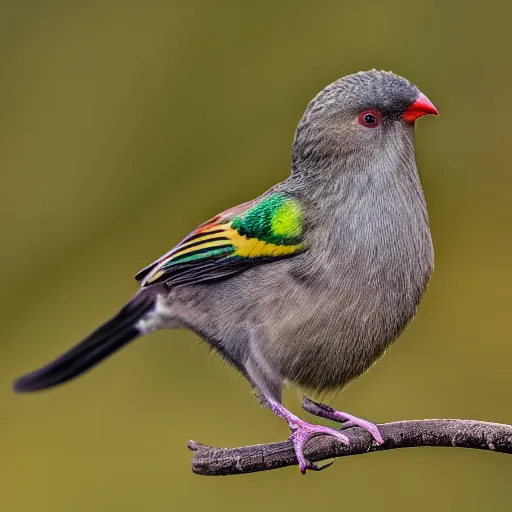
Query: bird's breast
x,y
362,286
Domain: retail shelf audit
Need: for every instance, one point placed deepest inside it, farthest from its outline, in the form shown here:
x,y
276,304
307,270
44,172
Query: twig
x,y
401,434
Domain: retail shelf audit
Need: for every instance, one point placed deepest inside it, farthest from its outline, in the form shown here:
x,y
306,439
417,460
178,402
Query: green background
x,y
125,124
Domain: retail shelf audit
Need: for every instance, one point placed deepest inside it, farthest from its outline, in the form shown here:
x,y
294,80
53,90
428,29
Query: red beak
x,y
421,107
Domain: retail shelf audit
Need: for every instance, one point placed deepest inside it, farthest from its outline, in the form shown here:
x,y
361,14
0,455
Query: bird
x,y
311,282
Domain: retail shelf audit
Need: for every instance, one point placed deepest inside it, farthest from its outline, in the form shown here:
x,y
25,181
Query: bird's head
x,y
361,118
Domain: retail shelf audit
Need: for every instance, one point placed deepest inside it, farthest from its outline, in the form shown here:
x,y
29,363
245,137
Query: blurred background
x,y
125,124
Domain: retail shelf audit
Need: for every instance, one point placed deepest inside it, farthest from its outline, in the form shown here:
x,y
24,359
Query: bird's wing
x,y
263,230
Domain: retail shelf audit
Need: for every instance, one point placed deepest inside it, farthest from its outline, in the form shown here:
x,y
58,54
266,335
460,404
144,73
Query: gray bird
x,y
312,281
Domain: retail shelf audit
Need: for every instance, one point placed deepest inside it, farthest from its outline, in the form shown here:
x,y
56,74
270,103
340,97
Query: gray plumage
x,y
322,317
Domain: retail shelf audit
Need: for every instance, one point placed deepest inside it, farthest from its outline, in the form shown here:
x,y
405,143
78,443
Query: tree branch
x,y
402,434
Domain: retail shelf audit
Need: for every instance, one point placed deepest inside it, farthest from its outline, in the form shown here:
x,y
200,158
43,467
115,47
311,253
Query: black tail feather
x,y
103,342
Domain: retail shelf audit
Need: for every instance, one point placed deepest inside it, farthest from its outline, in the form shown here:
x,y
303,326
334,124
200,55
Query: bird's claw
x,y
302,432
313,467
346,420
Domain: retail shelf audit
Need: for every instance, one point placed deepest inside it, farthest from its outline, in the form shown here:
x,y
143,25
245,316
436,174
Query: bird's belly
x,y
315,330
325,363
325,343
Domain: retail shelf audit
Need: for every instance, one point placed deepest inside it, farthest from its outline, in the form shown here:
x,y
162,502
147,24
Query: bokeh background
x,y
125,124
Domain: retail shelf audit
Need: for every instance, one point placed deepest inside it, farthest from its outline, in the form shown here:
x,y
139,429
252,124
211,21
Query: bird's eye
x,y
369,118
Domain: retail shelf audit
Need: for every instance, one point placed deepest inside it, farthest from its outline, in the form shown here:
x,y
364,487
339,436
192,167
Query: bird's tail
x,y
103,342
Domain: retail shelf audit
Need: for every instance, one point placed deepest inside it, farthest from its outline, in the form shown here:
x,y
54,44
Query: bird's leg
x,y
347,420
302,432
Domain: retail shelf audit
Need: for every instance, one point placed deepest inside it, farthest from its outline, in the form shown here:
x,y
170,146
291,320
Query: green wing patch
x,y
276,219
263,230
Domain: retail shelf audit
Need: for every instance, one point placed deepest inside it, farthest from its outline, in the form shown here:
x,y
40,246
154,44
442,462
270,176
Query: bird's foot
x,y
302,432
346,420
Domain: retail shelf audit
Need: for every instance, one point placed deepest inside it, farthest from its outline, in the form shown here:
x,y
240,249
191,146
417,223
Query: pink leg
x,y
302,432
347,420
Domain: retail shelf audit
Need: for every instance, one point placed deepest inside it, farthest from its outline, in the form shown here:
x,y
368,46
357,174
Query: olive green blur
x,y
123,125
